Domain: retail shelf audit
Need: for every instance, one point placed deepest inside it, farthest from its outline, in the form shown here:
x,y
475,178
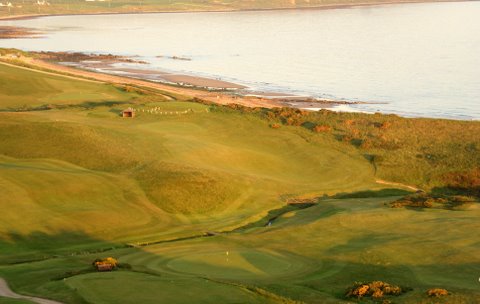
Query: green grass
x,y
79,183
21,88
144,288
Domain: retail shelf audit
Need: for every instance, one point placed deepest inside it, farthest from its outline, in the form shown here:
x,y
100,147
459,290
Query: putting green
x,y
241,263
124,287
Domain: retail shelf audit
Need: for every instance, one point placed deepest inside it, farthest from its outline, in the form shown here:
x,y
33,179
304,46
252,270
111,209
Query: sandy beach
x,y
109,67
215,97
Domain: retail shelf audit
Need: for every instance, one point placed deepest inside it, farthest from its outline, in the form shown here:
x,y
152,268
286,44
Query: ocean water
x,y
408,59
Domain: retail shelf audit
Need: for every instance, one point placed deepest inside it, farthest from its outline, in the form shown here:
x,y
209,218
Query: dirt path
x,y
5,291
380,181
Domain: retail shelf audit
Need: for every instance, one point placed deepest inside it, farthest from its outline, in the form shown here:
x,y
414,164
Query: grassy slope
x,y
83,178
34,89
142,162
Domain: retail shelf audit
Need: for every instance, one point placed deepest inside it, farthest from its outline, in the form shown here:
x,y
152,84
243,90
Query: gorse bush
x,y
466,181
105,264
437,292
375,289
322,128
424,200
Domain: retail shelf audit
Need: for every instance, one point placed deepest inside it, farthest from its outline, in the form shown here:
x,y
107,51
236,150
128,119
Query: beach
x,y
215,97
102,68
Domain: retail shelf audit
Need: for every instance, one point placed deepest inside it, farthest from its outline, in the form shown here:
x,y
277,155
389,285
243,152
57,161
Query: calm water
x,y
421,59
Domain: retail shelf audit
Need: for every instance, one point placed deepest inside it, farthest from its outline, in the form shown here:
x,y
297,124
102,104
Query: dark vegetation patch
x,y
464,182
274,214
438,201
371,193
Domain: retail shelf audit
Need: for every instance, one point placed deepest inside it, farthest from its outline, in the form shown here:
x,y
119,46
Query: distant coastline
x,y
318,7
247,90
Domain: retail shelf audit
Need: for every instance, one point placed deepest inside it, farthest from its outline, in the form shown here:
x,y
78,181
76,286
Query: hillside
x,y
224,203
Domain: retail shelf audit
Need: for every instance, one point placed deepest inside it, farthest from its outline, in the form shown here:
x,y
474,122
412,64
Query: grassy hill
x,y
183,197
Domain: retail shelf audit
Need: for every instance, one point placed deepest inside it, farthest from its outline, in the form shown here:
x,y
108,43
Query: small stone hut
x,y
128,113
104,267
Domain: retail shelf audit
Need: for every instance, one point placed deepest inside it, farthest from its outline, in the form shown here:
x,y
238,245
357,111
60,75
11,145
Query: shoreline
x,y
209,96
219,96
202,83
216,97
318,7
99,67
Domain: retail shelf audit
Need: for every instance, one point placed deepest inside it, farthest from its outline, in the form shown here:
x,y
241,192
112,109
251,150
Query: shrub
x,y
322,128
437,292
366,144
275,126
466,182
375,289
383,125
423,200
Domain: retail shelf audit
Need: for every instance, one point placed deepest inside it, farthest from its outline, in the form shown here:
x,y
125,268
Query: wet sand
x,y
109,66
12,32
201,82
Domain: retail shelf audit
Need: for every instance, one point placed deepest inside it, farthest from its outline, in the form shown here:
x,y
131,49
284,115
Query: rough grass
x,y
425,152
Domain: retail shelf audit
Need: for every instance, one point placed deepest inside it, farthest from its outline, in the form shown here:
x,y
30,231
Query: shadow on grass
x,y
370,194
38,246
472,191
273,215
89,105
37,263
